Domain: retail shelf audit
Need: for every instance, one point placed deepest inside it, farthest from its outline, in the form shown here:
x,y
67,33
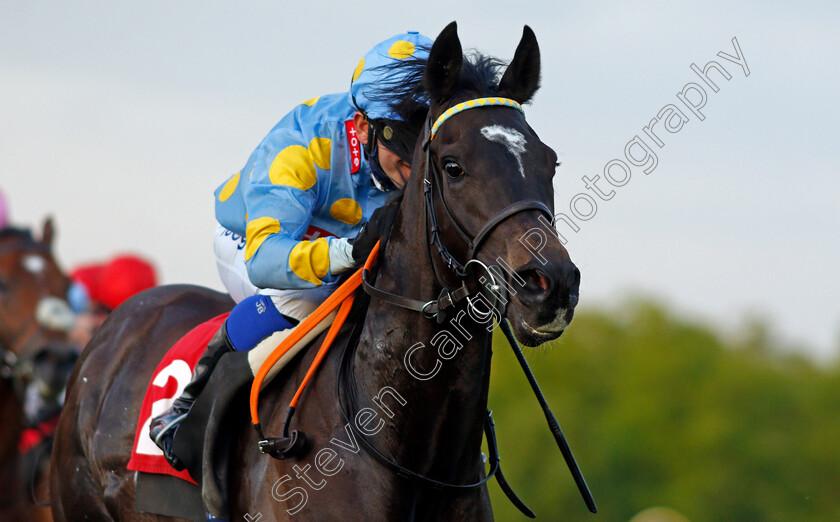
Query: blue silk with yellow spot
x,y
308,181
299,190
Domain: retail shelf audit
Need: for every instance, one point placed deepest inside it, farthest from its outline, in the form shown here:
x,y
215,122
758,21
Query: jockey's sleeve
x,y
287,183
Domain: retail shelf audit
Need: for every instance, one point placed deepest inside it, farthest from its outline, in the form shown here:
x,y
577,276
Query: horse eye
x,y
453,170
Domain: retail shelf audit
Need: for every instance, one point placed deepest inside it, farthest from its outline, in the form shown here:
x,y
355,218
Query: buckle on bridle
x,y
426,313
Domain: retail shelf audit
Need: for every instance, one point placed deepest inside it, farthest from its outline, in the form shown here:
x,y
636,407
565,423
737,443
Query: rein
x,y
448,298
291,443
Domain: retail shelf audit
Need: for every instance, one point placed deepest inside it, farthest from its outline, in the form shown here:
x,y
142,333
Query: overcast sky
x,y
121,120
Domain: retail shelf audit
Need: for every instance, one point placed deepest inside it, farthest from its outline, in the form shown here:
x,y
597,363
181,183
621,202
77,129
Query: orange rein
x,y
341,299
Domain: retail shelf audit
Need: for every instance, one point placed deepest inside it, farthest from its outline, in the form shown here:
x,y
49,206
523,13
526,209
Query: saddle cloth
x,y
168,381
175,371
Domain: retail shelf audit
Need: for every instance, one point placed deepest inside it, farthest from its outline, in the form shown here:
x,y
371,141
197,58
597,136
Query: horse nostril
x,y
536,280
541,281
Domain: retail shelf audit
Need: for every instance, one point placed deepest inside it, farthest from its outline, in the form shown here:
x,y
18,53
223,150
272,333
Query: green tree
x,y
661,411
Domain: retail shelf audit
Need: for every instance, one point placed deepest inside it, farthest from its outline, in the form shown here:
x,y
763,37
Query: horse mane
x,y
407,96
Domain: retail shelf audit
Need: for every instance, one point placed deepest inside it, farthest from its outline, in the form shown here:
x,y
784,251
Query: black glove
x,y
376,228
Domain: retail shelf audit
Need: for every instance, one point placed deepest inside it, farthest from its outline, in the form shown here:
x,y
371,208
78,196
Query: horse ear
x,y
522,77
444,64
48,232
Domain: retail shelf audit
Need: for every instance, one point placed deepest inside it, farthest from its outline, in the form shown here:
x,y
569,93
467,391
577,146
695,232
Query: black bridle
x,y
292,443
449,297
17,369
438,308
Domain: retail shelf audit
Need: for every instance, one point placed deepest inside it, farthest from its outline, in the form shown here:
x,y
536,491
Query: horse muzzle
x,y
543,302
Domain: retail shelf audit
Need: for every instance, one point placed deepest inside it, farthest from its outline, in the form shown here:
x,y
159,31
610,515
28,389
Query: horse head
x,y
34,315
491,179
473,236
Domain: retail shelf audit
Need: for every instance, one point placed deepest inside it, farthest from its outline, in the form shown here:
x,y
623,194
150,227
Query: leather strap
x,y
553,425
429,309
505,213
500,478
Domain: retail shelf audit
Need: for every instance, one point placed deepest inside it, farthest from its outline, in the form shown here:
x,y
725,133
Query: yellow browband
x,y
472,104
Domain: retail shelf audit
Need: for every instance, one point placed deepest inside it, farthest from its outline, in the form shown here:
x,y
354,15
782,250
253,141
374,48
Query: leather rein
x,y
447,300
293,442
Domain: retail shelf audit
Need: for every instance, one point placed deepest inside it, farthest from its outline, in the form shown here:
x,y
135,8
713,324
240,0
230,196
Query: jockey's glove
x,y
341,255
372,231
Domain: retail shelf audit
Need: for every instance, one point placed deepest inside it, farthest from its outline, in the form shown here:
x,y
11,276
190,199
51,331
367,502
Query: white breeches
x,y
230,261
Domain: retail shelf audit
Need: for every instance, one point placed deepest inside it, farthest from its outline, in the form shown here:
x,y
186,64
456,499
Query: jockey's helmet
x,y
112,283
380,68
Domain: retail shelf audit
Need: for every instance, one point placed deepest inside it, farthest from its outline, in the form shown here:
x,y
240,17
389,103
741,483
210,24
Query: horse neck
x,y
438,429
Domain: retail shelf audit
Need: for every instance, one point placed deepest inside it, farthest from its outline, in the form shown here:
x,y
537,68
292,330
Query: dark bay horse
x,y
29,276
413,389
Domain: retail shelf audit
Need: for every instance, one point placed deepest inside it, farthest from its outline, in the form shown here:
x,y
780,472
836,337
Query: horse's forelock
x,y
480,74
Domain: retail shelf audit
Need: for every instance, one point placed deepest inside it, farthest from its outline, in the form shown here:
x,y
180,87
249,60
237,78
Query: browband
x,y
472,104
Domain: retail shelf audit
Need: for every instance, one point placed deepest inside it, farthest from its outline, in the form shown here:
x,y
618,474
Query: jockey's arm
x,y
275,254
290,175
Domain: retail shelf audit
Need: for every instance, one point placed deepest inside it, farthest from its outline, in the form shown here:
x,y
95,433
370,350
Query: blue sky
x,y
120,120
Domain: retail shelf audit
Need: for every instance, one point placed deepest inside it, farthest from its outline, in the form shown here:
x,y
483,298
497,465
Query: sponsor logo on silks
x,y
355,147
235,237
314,232
260,307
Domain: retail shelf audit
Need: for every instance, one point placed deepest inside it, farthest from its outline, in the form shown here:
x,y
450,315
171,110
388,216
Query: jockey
x,y
98,288
307,206
107,285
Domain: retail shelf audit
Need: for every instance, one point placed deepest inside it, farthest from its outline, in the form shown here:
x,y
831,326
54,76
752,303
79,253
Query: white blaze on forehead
x,y
510,138
34,264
